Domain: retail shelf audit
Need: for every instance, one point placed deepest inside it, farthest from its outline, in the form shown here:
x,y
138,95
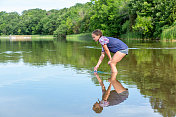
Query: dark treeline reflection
x,y
155,76
153,71
149,66
40,53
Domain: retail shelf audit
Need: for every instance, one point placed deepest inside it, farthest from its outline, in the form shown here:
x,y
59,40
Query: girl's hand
x,y
95,68
109,62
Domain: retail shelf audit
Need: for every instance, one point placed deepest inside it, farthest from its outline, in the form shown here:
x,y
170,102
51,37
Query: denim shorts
x,y
124,51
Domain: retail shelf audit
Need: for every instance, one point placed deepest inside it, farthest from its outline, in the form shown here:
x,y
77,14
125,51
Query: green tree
x,y
159,13
74,20
61,32
109,15
31,21
144,25
9,23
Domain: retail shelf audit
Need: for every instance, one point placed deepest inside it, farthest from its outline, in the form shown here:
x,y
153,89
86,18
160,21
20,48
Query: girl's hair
x,y
97,32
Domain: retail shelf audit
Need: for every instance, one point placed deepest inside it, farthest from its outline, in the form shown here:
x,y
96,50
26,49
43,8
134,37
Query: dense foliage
x,y
144,18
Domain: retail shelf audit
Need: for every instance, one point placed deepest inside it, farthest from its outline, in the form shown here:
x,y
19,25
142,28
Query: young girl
x,y
110,44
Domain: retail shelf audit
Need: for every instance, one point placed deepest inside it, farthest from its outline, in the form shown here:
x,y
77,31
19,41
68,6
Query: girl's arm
x,y
99,61
107,93
100,81
107,52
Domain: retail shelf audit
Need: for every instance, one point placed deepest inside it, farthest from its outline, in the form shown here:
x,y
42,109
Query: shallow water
x,y
55,78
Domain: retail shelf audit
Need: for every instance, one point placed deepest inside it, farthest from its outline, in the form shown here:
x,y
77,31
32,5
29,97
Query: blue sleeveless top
x,y
113,44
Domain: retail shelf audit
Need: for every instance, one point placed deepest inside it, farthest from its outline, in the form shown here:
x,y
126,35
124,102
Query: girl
x,y
110,44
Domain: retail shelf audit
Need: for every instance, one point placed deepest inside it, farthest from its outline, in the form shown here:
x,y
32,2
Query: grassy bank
x,y
4,37
131,36
169,34
87,37
79,37
42,36
33,37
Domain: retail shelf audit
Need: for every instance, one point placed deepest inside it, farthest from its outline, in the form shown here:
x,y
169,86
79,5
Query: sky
x,y
20,5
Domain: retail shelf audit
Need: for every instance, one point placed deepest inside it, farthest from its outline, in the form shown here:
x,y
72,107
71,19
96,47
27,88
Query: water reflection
x,y
149,67
110,97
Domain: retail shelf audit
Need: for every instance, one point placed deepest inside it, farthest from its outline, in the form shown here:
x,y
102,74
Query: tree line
x,y
143,18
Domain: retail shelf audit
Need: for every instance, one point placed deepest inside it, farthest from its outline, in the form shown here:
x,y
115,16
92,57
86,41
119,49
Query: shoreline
x,y
26,37
87,37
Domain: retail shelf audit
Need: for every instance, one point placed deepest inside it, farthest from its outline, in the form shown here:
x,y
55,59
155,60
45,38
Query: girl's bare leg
x,y
116,58
107,93
116,84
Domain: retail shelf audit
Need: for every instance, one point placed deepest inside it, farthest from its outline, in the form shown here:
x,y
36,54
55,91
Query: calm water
x,y
55,79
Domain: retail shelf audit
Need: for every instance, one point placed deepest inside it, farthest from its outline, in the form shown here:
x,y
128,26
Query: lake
x,y
56,78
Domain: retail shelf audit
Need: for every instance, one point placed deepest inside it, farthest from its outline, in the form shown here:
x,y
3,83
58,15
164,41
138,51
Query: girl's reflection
x,y
110,98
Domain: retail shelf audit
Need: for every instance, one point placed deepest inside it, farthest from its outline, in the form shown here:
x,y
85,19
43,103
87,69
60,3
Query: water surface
x,y
55,78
